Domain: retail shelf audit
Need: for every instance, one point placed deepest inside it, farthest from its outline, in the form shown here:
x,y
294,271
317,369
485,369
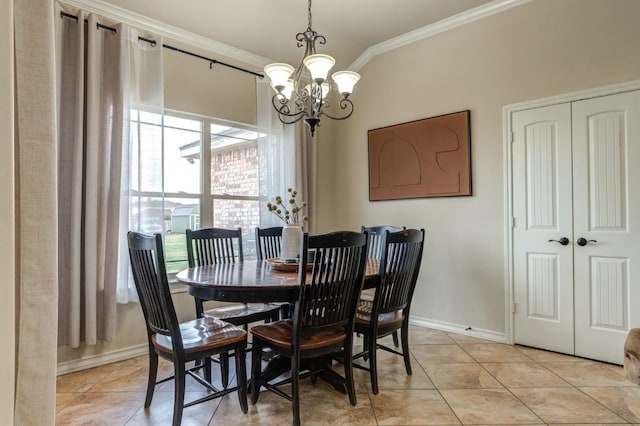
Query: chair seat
x,y
244,313
202,334
385,320
368,294
280,334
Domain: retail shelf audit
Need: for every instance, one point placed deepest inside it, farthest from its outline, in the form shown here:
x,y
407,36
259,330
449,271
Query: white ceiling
x,y
267,28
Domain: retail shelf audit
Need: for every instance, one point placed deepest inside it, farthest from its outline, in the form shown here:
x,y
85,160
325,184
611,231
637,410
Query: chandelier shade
x,y
302,92
345,81
279,75
319,66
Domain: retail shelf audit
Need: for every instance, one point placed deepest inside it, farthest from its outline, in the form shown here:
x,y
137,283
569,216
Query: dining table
x,y
260,281
253,281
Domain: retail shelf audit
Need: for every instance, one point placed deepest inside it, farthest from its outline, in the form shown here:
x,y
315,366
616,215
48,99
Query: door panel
x,y
543,269
606,170
608,291
606,139
542,286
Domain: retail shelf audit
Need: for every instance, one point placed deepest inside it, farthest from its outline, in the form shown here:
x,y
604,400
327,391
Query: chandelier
x,y
302,96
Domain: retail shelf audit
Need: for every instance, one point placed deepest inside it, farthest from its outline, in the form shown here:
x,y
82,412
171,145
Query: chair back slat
x,y
210,246
376,239
149,273
268,242
329,294
399,268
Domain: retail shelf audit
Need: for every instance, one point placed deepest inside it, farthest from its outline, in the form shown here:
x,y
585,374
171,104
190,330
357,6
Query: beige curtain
x,y
90,103
36,213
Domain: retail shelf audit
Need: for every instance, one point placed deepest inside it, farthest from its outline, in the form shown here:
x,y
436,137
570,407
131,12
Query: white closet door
x,y
542,204
606,157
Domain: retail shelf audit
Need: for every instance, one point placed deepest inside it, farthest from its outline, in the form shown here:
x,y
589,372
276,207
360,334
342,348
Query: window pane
x,y
150,157
234,161
182,158
243,214
183,213
147,214
175,247
171,217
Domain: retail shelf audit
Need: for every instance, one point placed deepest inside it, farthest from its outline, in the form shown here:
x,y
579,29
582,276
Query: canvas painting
x,y
424,158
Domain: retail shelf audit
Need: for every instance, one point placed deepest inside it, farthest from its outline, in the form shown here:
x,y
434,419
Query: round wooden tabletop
x,y
251,281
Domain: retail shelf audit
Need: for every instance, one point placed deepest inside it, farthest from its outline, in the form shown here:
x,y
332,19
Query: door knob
x,y
583,242
564,241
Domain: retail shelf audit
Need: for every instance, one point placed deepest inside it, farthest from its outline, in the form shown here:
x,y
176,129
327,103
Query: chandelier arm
x,y
320,39
283,118
282,108
345,104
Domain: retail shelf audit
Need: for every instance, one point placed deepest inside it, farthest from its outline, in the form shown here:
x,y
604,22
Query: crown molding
x,y
162,29
460,19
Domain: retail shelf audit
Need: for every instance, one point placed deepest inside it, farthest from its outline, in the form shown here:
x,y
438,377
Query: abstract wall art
x,y
420,159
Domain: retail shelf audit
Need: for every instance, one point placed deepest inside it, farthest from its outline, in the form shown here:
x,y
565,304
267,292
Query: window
x,y
190,171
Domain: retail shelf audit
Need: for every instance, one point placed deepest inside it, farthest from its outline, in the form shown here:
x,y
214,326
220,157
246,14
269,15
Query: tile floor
x,y
456,380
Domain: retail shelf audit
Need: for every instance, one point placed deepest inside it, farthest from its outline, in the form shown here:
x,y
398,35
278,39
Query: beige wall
x,y
539,49
7,228
220,92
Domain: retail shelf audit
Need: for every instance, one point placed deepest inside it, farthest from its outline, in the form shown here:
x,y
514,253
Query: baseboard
x,y
101,359
459,329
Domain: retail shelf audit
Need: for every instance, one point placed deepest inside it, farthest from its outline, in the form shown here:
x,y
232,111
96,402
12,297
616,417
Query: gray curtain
x,y
90,109
36,213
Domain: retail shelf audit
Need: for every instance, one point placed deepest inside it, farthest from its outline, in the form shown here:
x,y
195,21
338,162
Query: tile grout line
x,y
505,387
578,388
437,389
571,385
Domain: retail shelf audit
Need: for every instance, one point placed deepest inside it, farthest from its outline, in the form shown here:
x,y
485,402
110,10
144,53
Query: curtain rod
x,y
166,46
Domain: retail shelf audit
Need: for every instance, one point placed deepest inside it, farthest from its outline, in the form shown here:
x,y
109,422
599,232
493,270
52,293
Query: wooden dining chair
x,y
374,251
268,245
183,342
323,316
376,239
268,242
209,246
389,310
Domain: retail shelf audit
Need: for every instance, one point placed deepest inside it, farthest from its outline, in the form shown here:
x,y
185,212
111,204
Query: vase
x,y
291,241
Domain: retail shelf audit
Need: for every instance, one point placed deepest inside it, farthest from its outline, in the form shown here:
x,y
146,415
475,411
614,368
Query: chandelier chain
x,y
309,15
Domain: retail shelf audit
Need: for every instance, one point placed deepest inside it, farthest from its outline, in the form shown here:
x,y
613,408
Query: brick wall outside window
x,y
234,171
